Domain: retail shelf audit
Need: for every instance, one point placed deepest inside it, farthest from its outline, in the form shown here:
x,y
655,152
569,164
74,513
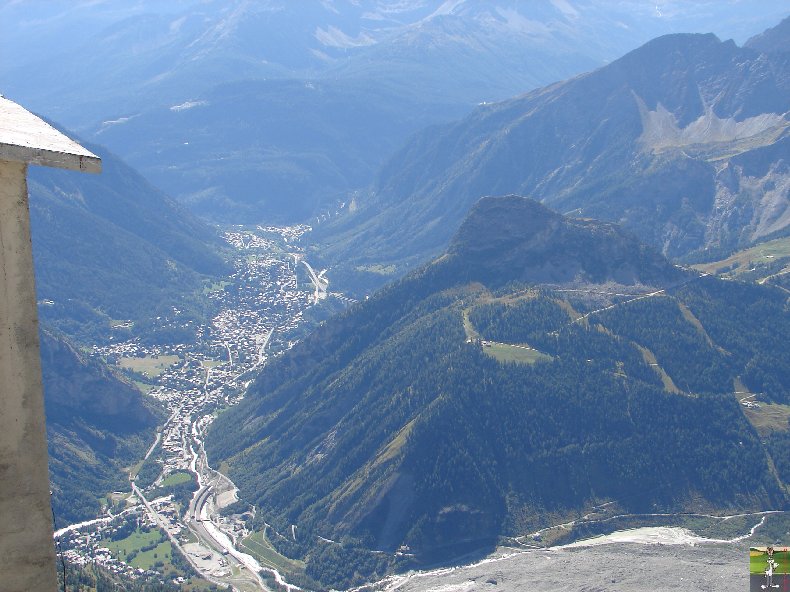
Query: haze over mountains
x,y
150,81
683,141
255,151
161,45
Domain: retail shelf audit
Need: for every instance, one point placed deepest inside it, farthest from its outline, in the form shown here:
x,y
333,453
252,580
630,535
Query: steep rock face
x,y
656,141
96,425
518,375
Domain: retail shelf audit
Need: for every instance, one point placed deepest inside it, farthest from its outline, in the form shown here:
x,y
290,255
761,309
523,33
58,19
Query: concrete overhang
x,y
27,138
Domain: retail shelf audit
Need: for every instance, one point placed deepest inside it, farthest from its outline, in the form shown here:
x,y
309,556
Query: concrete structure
x,y
27,555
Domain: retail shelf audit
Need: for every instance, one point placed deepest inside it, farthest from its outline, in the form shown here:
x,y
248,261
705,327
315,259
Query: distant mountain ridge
x,y
774,40
188,46
682,141
541,366
186,90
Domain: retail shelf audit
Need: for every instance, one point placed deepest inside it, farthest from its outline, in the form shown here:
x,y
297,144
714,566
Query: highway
x,y
199,522
321,283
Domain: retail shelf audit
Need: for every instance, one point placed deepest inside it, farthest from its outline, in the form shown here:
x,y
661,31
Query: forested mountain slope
x,y
540,366
111,246
97,424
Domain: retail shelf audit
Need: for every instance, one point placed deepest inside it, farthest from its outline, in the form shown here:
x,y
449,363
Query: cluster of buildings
x,y
87,546
259,306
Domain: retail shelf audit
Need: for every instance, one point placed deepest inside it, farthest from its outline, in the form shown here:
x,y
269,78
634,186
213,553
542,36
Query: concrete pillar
x,y
27,553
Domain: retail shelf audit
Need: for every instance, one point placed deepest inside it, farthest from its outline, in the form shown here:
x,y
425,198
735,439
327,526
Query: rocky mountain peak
x,y
513,238
774,40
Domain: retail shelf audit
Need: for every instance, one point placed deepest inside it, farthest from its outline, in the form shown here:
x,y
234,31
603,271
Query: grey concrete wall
x,y
27,555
